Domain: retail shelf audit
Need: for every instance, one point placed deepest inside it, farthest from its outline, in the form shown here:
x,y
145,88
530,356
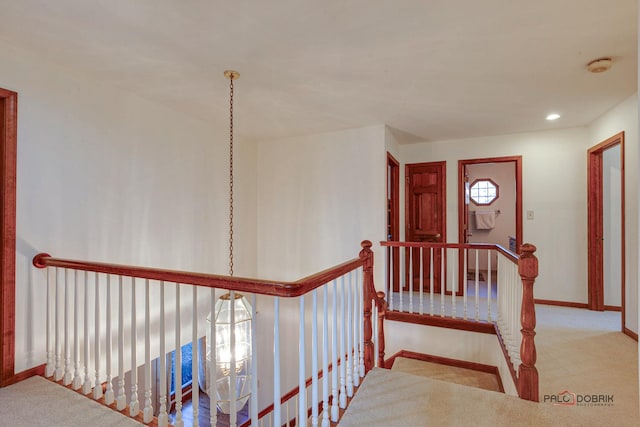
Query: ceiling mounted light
x,y
553,116
599,65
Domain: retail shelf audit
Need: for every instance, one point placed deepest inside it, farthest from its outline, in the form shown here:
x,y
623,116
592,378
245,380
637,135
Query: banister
x,y
242,284
506,252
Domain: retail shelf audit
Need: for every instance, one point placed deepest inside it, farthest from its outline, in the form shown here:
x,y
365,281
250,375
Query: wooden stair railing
x,y
442,296
351,283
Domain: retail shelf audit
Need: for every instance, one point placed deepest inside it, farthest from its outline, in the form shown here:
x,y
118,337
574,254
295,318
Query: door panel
x,y
425,214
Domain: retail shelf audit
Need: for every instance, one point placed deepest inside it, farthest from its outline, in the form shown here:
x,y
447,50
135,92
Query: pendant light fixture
x,y
232,316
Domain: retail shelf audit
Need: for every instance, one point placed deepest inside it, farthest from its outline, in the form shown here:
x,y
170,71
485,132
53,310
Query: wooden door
x,y
8,146
425,219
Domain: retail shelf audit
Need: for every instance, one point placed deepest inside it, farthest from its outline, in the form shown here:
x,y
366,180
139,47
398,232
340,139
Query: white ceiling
x,y
432,69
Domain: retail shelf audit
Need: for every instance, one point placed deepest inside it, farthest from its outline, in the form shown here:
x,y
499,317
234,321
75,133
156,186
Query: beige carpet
x,y
38,402
389,399
451,374
579,351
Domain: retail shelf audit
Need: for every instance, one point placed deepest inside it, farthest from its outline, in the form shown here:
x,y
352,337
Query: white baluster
x,y
387,270
108,395
302,401
254,363
410,280
314,358
163,418
349,347
77,376
356,330
477,286
97,387
325,357
121,400
134,405
50,367
391,279
400,285
431,279
147,413
86,386
334,354
195,390
421,281
454,287
463,278
499,292
57,312
343,373
361,316
68,375
489,286
443,281
277,402
178,363
213,397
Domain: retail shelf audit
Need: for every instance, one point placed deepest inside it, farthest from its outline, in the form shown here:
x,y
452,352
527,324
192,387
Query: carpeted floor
x,y
583,352
425,402
451,374
50,405
579,351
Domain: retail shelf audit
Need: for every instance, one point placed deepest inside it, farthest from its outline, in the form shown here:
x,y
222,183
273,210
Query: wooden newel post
x,y
366,254
527,372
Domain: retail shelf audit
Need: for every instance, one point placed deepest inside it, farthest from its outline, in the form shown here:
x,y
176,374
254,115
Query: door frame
x,y
464,208
8,147
393,215
595,224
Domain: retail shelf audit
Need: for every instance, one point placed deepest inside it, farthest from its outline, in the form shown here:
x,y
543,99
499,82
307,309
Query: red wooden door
x,y
425,219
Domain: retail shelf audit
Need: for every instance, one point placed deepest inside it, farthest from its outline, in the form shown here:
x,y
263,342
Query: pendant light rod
x,y
231,75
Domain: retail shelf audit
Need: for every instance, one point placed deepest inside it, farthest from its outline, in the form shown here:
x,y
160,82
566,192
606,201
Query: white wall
x,y
105,175
612,211
624,117
554,187
319,196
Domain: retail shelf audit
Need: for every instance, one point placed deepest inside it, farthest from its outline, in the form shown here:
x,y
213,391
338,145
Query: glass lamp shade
x,y
224,362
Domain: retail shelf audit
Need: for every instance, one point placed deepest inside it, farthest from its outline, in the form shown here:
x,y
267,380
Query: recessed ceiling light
x,y
553,116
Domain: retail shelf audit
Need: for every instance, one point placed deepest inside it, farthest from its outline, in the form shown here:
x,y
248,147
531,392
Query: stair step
x,y
452,374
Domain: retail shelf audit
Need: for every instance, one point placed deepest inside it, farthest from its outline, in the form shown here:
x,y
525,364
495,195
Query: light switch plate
x,y
529,214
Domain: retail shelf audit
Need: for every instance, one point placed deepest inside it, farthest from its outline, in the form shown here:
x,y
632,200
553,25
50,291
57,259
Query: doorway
x,y
8,145
606,225
393,217
489,210
425,220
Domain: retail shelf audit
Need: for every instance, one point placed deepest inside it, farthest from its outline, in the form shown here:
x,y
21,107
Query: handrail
x,y
506,252
242,284
527,270
367,295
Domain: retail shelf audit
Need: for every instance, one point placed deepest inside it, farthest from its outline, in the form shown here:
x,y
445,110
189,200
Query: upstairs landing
x,y
40,402
387,398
